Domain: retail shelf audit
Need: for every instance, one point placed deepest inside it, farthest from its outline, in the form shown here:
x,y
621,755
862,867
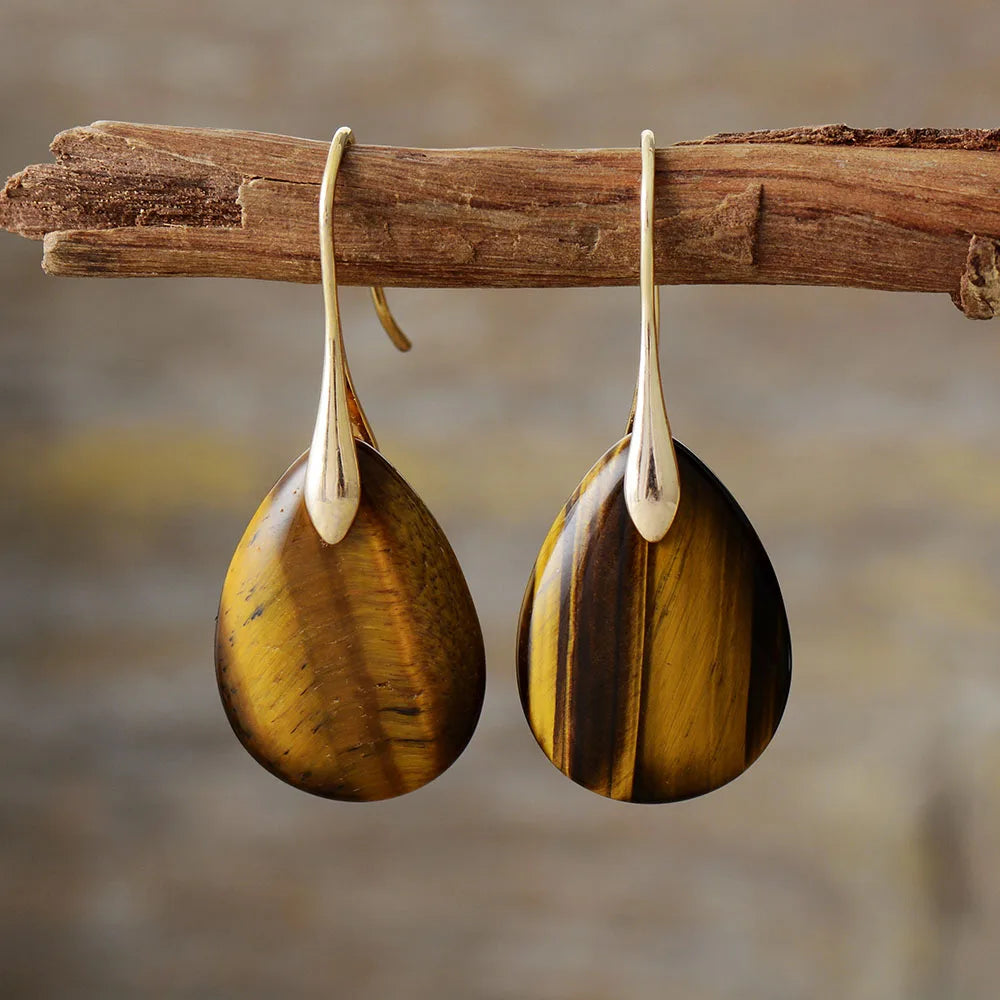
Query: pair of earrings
x,y
653,656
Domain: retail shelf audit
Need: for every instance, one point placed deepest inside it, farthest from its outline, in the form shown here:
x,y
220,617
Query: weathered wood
x,y
908,210
845,135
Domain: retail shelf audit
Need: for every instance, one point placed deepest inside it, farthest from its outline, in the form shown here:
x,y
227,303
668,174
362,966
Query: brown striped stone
x,y
354,671
652,672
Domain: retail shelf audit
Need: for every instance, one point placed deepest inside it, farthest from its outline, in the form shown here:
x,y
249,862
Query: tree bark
x,y
908,210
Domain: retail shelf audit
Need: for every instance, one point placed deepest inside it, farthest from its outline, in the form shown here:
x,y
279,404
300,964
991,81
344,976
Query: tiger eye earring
x,y
653,657
349,654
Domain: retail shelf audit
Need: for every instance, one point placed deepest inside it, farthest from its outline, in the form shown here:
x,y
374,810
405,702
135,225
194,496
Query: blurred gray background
x,y
143,853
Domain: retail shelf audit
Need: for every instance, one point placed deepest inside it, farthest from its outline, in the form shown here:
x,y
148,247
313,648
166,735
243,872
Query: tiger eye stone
x,y
354,671
653,672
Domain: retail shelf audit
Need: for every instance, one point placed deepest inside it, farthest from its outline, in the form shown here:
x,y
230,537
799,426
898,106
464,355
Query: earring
x,y
348,651
654,658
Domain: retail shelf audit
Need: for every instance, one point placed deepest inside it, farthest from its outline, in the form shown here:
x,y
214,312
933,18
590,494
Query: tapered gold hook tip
x,y
387,320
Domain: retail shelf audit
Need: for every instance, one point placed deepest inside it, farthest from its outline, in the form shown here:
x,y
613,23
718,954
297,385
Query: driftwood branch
x,y
912,210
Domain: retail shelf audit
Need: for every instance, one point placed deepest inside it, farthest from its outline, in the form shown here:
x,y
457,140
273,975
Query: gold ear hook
x,y
387,320
652,478
333,483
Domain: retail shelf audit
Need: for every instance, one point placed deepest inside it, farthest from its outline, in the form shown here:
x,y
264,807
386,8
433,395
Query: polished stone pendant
x,y
653,656
348,651
356,670
653,671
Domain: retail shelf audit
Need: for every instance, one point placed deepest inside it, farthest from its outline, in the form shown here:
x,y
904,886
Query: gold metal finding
x,y
652,479
387,320
332,482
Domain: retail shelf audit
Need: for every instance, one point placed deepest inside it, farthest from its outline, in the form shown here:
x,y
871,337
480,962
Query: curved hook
x,y
387,320
333,482
652,478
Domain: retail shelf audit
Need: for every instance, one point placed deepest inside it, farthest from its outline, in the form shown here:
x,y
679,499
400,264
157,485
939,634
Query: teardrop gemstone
x,y
354,671
653,672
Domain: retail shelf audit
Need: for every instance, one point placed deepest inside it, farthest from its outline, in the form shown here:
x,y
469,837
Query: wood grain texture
x,y
354,671
846,135
653,672
884,208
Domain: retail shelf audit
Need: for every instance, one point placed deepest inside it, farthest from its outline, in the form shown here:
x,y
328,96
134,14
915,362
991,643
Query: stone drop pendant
x,y
653,653
349,655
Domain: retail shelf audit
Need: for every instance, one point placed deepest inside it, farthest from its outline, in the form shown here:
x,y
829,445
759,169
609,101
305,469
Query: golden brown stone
x,y
652,672
353,671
